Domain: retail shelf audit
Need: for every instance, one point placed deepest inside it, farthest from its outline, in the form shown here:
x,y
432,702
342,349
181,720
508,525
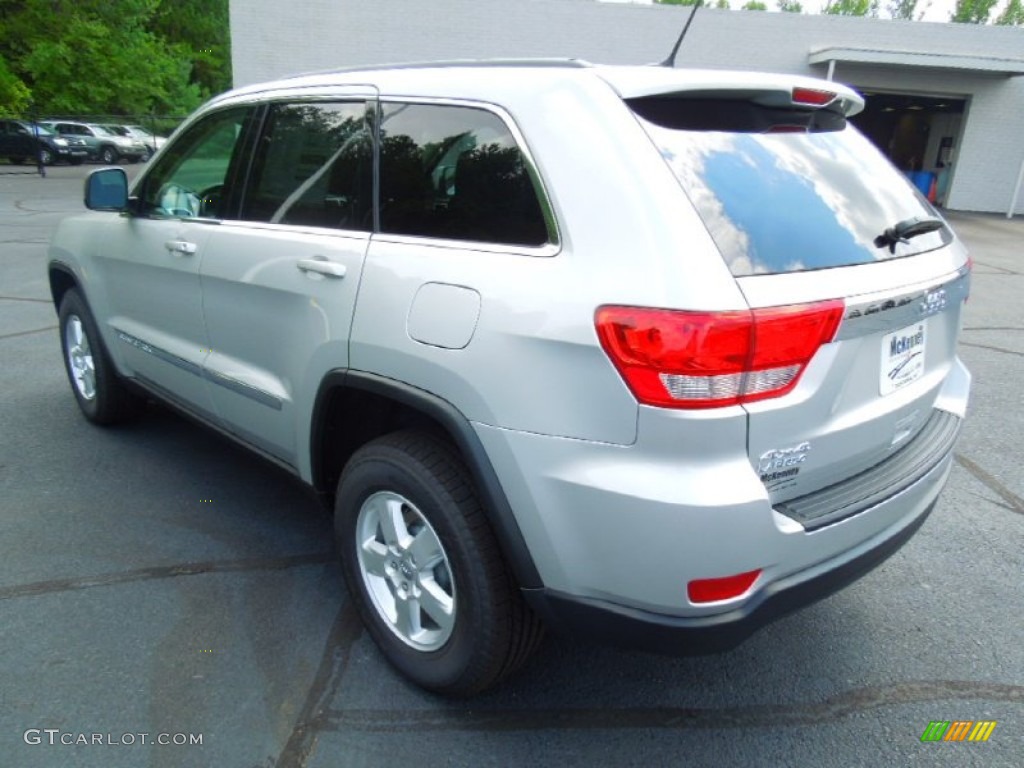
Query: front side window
x,y
456,173
313,167
191,178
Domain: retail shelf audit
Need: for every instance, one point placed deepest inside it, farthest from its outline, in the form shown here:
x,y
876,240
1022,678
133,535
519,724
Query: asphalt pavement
x,y
158,584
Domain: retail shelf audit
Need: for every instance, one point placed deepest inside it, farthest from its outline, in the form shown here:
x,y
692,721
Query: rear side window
x,y
313,167
456,173
784,189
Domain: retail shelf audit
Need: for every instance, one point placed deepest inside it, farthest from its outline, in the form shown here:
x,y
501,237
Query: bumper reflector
x,y
724,588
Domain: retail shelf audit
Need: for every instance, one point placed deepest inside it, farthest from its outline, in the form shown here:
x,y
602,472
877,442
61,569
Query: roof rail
x,y
558,63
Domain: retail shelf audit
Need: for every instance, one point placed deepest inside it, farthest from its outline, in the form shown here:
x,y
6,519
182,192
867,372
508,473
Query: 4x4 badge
x,y
782,463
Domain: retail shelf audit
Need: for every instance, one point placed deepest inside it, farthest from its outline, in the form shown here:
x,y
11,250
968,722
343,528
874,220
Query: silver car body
x,y
619,505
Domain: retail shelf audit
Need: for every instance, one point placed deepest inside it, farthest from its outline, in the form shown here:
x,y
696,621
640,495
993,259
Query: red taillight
x,y
813,97
713,590
680,359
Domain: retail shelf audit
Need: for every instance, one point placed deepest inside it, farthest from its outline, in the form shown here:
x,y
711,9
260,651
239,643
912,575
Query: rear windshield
x,y
784,190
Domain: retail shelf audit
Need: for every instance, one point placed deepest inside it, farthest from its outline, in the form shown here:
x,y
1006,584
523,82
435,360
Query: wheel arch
x,y
353,407
62,279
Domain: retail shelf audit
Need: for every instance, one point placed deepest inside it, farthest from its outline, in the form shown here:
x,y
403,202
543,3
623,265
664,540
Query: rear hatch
x,y
808,214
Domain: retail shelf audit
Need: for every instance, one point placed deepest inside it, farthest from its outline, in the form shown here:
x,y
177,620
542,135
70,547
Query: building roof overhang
x,y
988,65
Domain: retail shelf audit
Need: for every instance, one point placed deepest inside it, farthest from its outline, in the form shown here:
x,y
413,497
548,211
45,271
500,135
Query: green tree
x,y
754,5
972,11
201,31
14,95
851,8
790,6
722,4
902,9
1012,15
101,57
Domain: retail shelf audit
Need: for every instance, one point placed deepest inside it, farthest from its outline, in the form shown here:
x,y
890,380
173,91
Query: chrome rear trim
x,y
890,311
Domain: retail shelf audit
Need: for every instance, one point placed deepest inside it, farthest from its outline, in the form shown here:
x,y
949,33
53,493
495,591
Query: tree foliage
x,y
1012,15
851,8
902,9
754,5
101,57
201,28
972,11
790,6
14,96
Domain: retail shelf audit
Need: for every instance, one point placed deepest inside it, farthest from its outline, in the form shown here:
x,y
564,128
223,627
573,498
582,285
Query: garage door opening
x,y
919,134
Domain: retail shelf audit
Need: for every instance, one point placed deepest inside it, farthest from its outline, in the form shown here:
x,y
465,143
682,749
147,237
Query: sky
x,y
934,10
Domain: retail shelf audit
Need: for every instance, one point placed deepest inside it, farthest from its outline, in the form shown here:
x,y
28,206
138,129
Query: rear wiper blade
x,y
902,232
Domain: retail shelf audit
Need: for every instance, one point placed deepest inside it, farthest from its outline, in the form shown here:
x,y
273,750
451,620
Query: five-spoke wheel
x,y
424,567
101,395
406,571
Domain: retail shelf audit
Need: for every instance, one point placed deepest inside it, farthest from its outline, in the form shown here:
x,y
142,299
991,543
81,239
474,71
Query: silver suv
x,y
649,355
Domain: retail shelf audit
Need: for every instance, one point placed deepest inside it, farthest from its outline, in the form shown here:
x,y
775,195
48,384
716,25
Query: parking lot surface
x,y
159,584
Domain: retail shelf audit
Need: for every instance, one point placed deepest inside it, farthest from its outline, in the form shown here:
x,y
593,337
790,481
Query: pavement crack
x,y
1015,502
998,270
164,572
27,333
843,705
992,348
994,328
25,298
316,715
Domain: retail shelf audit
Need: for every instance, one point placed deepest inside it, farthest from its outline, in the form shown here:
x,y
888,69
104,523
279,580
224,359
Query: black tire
x,y
493,631
110,402
109,155
45,157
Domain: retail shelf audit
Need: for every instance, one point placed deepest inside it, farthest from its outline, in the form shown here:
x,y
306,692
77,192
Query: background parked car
x,y
149,139
22,141
103,144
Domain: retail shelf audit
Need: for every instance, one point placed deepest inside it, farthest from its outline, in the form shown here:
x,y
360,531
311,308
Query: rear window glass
x,y
784,190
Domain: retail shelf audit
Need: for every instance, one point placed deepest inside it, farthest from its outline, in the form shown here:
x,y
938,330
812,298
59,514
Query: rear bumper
x,y
603,622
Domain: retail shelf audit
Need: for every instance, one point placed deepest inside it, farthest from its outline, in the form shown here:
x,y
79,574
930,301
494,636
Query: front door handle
x,y
322,266
182,247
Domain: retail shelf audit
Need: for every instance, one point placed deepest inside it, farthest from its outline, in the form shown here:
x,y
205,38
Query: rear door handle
x,y
183,247
322,266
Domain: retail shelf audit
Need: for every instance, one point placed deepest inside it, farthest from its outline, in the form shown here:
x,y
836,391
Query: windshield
x,y
41,129
787,191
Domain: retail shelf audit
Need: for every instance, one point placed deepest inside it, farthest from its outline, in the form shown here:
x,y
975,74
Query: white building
x,y
937,93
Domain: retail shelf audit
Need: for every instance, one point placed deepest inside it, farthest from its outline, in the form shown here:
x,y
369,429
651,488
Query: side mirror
x,y
107,190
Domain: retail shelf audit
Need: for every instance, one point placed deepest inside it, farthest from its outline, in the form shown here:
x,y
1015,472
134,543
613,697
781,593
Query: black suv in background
x,y
22,141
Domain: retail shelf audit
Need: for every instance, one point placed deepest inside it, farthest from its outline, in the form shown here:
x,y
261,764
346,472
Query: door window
x,y
192,178
456,173
313,167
